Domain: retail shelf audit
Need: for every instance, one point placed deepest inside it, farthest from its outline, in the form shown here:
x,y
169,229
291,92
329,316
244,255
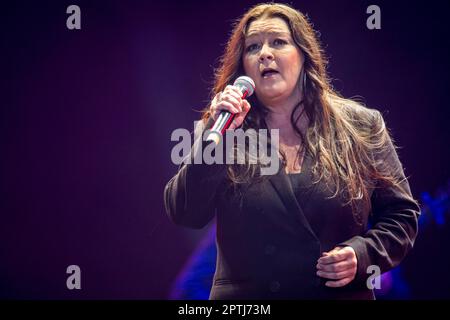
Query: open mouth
x,y
268,73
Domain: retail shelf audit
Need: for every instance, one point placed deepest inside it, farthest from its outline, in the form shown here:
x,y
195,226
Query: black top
x,y
266,246
301,185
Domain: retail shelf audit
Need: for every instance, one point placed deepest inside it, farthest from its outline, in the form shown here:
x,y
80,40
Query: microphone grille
x,y
246,82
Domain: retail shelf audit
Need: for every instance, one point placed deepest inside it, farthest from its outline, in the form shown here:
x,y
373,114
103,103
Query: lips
x,y
268,72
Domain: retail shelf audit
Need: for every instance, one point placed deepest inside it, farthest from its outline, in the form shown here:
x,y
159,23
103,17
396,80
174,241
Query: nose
x,y
265,53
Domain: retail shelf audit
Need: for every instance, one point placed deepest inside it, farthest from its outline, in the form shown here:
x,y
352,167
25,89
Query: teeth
x,y
268,71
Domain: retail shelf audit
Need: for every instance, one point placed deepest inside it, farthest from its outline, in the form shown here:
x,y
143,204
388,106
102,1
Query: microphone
x,y
246,86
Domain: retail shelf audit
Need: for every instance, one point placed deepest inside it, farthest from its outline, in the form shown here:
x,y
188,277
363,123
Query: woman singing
x,y
338,208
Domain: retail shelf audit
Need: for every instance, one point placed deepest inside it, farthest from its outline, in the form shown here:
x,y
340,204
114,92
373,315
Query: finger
x,y
239,118
331,252
246,106
336,267
339,283
233,93
233,125
236,102
337,254
227,106
237,121
335,275
334,250
233,90
333,257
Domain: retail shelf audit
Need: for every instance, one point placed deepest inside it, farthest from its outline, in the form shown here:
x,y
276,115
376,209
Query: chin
x,y
270,98
272,93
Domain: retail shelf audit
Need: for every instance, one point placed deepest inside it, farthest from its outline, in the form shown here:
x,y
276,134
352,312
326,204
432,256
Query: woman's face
x,y
273,61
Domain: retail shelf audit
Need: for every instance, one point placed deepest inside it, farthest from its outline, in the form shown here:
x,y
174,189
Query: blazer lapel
x,y
282,184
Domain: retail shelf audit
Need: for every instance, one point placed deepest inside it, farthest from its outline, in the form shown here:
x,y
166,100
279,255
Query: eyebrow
x,y
275,33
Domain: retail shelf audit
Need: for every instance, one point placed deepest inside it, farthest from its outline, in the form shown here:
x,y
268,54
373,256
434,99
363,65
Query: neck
x,y
279,117
280,108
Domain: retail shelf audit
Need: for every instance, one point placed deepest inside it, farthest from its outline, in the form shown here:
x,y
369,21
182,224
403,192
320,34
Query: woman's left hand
x,y
339,265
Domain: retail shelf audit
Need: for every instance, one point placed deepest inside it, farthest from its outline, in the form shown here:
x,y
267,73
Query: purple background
x,y
86,118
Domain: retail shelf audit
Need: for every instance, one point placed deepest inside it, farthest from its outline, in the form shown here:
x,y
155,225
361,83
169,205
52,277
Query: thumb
x,y
239,118
245,106
334,250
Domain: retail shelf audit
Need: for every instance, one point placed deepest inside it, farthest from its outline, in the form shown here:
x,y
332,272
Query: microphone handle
x,y
223,121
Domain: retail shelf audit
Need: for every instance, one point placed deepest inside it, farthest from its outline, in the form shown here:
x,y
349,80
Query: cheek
x,y
293,65
250,67
246,65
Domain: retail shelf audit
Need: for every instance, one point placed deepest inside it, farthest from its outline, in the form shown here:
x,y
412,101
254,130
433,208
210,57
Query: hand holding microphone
x,y
229,107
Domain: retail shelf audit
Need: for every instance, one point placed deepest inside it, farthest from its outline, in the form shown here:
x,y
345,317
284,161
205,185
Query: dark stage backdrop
x,y
86,118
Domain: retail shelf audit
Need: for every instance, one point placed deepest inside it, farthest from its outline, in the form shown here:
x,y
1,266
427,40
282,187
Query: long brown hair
x,y
342,136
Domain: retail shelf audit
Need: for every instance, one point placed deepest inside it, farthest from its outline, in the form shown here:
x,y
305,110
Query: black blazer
x,y
266,246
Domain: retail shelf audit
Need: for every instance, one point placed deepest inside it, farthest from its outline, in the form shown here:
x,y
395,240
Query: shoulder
x,y
357,113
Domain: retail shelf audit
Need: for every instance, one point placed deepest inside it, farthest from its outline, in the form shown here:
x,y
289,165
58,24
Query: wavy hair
x,y
343,136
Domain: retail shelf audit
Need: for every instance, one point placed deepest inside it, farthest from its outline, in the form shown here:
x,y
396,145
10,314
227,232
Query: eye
x,y
279,42
251,47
